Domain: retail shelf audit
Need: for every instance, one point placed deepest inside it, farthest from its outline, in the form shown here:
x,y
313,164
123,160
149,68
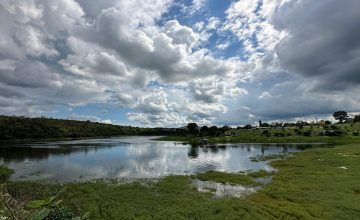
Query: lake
x,y
129,157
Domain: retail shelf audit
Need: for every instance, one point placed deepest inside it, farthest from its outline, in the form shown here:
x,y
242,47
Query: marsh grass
x,y
269,157
303,188
261,174
227,178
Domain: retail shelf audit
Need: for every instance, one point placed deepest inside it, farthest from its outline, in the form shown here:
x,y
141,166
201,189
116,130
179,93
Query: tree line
x,y
13,127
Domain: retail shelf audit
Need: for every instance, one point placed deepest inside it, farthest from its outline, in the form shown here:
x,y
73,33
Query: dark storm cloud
x,y
323,41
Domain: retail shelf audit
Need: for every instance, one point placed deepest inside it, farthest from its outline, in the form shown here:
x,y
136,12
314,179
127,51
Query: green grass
x,y
260,173
268,157
313,184
230,178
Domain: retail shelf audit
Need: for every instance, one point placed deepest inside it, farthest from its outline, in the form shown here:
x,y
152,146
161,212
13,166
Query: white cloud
x,y
250,21
265,95
213,23
223,45
195,6
56,53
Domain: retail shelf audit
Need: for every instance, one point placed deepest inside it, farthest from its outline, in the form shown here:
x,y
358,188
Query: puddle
x,y
263,180
224,190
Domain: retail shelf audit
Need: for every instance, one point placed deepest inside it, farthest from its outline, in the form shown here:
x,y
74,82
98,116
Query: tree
x,y
340,115
225,128
193,128
247,127
327,122
204,130
356,118
213,131
265,125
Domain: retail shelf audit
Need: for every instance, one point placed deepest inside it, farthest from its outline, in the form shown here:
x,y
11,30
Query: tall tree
x,y
193,128
356,118
340,115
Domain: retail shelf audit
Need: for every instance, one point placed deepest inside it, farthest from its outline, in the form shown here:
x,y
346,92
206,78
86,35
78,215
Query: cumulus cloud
x,y
78,52
212,90
296,57
213,23
250,21
265,95
194,7
321,42
89,118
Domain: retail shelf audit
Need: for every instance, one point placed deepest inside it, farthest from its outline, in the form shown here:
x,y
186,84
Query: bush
x,y
306,133
62,213
355,133
279,134
5,172
266,133
333,133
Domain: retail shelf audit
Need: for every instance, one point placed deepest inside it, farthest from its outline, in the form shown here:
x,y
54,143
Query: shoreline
x,y
308,185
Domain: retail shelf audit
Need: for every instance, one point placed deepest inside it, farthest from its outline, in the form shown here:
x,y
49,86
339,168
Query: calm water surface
x,y
128,157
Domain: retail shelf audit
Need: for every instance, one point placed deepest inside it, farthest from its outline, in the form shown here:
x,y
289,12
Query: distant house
x,y
322,122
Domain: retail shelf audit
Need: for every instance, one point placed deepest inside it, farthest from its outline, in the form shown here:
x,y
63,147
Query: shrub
x,y
266,133
333,133
61,213
306,133
279,134
5,172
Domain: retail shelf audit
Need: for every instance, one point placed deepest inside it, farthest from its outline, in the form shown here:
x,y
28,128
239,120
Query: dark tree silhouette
x,y
193,128
340,115
214,131
356,118
327,122
12,127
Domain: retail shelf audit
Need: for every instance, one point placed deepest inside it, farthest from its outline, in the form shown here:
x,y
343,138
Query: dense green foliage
x,y
5,173
340,115
12,127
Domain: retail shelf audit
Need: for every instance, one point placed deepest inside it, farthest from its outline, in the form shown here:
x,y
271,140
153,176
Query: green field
x,y
318,183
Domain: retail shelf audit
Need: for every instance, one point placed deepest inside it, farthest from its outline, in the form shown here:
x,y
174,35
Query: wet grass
x,y
229,178
269,157
317,183
260,174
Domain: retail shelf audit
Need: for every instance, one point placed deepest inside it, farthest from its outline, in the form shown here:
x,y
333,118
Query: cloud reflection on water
x,y
128,157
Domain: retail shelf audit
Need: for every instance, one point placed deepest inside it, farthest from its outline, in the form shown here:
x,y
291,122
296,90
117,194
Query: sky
x,y
154,63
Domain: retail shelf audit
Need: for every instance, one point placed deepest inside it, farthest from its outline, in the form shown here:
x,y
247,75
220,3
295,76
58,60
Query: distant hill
x,y
13,127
